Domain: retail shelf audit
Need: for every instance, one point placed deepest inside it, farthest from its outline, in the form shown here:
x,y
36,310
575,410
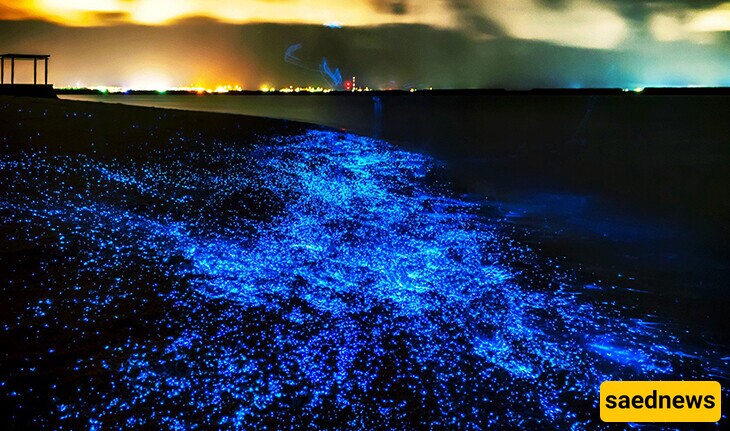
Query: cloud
x,y
395,7
473,20
590,24
715,19
205,52
11,12
641,11
109,18
698,25
667,27
585,24
160,12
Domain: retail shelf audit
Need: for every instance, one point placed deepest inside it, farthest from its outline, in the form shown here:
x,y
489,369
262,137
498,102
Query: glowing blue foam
x,y
324,279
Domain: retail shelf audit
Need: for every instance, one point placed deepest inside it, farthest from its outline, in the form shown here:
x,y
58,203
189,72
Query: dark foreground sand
x,y
175,270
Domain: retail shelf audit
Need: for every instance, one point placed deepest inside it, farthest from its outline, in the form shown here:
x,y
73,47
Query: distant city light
x,y
226,89
350,86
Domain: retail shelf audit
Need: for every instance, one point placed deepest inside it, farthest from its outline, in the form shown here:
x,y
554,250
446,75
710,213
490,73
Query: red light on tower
x,y
348,85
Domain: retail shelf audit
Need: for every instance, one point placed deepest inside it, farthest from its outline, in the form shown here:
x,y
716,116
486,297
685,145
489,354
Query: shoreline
x,y
646,92
662,155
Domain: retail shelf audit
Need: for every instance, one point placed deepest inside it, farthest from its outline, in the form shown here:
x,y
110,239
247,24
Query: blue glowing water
x,y
323,280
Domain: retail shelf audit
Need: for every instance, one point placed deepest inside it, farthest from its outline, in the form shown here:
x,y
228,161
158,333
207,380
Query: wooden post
x,y
35,71
12,70
46,59
2,71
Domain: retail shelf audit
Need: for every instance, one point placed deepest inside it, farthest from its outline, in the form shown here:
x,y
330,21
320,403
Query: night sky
x,y
149,44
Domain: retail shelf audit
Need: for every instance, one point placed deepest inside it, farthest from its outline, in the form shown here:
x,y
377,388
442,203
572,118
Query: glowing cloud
x,y
716,19
697,25
666,28
587,24
158,12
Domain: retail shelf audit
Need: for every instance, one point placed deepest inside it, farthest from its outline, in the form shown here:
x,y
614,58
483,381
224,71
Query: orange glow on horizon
x,y
220,89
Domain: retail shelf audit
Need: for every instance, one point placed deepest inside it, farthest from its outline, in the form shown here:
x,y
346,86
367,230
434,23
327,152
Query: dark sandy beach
x,y
183,270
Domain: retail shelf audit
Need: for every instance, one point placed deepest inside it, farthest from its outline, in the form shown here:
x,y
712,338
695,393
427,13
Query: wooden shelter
x,y
13,57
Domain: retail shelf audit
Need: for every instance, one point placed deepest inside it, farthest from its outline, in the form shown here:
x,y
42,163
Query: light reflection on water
x,y
326,280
